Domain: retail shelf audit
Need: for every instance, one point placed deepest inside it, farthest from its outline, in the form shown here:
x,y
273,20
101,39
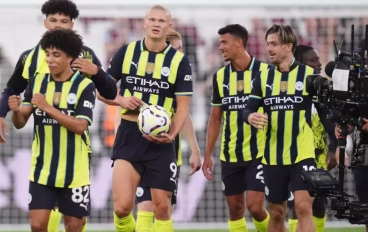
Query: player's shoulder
x,y
221,71
23,56
84,81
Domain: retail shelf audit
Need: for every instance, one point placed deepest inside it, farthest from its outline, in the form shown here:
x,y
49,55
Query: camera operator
x,y
361,173
325,155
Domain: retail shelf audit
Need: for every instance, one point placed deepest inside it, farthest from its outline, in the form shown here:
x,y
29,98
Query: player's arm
x,y
115,73
213,129
16,85
190,136
250,115
104,83
22,112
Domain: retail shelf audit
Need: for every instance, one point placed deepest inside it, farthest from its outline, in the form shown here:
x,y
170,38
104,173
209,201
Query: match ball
x,y
154,120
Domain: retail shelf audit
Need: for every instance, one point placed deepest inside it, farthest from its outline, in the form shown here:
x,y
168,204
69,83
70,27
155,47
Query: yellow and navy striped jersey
x,y
240,142
155,78
289,136
60,158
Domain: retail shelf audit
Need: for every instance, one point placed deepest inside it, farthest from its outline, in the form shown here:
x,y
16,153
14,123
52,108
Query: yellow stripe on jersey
x,y
239,141
150,70
179,154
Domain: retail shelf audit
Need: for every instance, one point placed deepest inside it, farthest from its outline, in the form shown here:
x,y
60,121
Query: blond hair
x,y
285,33
159,7
172,35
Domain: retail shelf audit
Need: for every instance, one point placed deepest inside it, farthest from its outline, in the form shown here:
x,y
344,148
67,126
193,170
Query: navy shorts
x,y
155,163
278,179
75,202
239,177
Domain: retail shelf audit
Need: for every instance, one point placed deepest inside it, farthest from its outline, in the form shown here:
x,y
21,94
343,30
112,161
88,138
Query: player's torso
x,y
289,136
240,142
150,76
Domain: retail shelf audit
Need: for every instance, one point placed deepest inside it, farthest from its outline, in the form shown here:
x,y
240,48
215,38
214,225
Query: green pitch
x,y
326,230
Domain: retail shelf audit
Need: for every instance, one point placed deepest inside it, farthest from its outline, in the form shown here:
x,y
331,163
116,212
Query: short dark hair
x,y
300,50
286,34
236,30
67,41
65,7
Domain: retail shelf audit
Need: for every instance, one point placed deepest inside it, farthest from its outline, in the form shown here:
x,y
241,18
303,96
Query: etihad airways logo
x,y
235,102
283,103
147,85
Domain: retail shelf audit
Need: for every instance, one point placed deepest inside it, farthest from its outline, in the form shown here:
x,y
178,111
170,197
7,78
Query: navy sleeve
x,y
116,64
28,94
86,103
255,98
216,99
184,80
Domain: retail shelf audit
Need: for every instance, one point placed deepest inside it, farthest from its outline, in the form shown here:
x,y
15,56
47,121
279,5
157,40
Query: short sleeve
x,y
86,104
116,64
256,87
216,99
184,80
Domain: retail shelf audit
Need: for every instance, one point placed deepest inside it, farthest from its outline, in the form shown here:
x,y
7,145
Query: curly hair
x,y
67,41
65,7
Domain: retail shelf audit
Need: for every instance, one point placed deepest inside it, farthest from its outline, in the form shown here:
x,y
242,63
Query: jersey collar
x,y
144,48
293,65
71,78
249,67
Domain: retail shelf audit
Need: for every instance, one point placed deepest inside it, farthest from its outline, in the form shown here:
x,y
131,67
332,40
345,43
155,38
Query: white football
x,y
154,120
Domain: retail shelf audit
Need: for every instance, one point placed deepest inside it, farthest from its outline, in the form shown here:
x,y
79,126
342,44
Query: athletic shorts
x,y
280,179
74,202
155,163
239,177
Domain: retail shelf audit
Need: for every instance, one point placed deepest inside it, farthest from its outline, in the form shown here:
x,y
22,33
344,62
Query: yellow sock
x,y
54,221
84,227
126,224
293,223
144,221
320,223
263,225
238,226
163,226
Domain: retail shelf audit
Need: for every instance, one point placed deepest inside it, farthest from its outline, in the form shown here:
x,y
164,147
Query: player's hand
x,y
3,127
337,130
130,103
365,126
207,167
39,101
14,103
258,120
85,66
195,162
162,138
331,161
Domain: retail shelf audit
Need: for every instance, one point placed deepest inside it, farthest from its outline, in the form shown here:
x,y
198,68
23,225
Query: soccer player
x,y
61,103
289,147
325,155
59,14
144,198
151,72
241,145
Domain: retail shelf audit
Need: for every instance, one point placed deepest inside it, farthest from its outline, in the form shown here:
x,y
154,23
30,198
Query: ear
x,y
72,24
144,24
44,23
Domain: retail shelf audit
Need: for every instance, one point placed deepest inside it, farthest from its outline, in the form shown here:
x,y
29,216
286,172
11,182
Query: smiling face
x,y
277,51
57,60
229,46
157,23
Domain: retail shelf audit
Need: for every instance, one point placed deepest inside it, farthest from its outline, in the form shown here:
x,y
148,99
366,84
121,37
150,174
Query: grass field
x,y
326,230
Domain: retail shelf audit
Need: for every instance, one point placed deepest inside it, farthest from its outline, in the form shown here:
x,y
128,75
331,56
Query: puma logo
x,y
84,206
269,86
135,64
226,86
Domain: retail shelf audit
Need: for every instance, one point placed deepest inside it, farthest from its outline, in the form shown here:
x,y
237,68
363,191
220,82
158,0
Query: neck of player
x,y
284,66
63,76
241,62
155,45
